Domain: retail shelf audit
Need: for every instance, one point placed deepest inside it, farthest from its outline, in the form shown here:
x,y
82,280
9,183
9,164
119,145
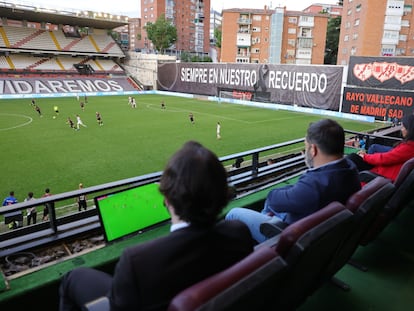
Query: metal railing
x,y
77,223
253,172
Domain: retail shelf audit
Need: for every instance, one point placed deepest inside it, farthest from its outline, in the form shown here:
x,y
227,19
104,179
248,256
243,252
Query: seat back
x,y
406,169
365,204
245,285
308,245
402,197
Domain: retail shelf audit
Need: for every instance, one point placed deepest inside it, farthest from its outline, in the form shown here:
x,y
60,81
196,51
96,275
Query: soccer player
x,y
191,116
70,122
38,110
56,109
218,129
133,103
99,118
79,122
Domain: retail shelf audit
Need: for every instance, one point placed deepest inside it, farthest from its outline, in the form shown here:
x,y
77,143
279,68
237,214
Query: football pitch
x,y
42,151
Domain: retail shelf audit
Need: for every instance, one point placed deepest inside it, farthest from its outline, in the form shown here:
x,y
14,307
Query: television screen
x,y
129,211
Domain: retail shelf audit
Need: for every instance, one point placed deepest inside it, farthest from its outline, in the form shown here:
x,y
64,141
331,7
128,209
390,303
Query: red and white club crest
x,y
384,71
363,71
404,74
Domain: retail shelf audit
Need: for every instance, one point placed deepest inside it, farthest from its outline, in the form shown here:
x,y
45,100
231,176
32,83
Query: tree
x,y
217,36
161,33
332,40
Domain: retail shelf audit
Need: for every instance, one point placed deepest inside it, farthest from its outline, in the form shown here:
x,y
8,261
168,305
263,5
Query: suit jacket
x,y
149,275
388,164
316,188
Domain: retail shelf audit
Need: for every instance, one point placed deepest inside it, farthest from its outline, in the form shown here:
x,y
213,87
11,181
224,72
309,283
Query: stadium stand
x,y
62,44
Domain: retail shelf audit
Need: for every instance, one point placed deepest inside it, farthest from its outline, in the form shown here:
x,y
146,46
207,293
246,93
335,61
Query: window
x,y
257,18
306,32
292,31
399,51
355,36
346,38
293,20
291,42
358,8
353,50
356,23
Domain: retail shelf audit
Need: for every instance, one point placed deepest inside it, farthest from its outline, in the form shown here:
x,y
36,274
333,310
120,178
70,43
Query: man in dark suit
x,y
330,177
149,275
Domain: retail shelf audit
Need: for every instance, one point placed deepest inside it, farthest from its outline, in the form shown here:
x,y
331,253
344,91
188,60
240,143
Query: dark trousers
x,y
82,285
32,216
82,204
359,162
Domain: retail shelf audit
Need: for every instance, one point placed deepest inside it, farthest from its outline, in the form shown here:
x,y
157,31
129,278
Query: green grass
x,y
47,153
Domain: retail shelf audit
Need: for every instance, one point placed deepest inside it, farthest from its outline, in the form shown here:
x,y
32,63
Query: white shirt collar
x,y
179,226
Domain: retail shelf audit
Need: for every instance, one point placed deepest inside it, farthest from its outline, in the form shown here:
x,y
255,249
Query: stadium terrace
x,y
58,86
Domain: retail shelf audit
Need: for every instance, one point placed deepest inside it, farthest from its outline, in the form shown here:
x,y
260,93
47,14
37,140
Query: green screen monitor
x,y
130,211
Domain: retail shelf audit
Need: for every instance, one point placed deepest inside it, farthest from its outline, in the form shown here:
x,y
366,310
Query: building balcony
x,y
244,21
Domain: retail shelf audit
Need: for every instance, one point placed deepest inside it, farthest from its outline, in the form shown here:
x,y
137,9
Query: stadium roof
x,y
81,19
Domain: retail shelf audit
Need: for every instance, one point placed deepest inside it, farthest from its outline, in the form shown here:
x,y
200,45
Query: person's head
x,y
324,142
194,184
47,190
407,129
11,193
30,195
80,186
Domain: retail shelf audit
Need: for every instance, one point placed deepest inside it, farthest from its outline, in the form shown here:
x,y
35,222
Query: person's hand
x,y
361,153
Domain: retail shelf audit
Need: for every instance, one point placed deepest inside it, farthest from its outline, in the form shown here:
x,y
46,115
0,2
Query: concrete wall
x,y
143,67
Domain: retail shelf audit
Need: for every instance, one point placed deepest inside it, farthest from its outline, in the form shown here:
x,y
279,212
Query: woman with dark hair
x,y
389,163
149,275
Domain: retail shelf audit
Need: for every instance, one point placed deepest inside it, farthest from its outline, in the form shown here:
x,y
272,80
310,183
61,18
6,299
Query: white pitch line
x,y
174,109
17,126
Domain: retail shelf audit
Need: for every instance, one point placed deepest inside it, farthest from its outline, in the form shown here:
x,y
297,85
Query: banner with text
x,y
382,72
313,86
382,104
54,85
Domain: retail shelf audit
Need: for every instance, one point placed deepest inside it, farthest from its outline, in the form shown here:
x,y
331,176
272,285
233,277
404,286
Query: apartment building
x,y
331,9
376,28
215,22
273,36
190,17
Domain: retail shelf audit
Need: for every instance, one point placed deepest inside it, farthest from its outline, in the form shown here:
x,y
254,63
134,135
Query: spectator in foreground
x,y
149,275
387,162
330,177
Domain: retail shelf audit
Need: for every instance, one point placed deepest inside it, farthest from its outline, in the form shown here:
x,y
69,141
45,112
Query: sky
x,y
131,8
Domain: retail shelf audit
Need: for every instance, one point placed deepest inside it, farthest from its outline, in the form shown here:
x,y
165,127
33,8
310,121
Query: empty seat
x,y
308,246
402,197
365,204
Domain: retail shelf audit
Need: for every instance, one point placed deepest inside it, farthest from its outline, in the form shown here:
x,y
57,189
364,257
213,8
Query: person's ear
x,y
313,150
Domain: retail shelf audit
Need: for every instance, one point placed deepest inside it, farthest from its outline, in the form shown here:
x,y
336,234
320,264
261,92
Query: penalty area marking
x,y
30,120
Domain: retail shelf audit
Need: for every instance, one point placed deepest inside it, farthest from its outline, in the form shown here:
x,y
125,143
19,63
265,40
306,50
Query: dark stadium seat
x,y
404,187
247,285
308,246
365,205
